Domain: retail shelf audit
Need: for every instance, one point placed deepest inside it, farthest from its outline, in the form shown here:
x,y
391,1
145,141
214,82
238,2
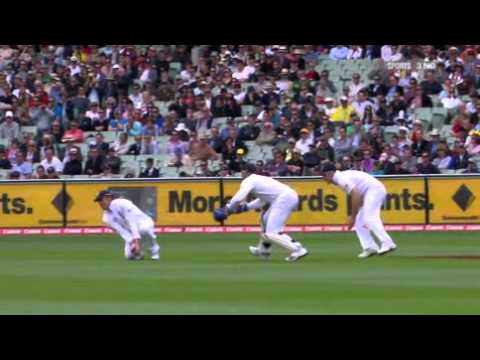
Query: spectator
x,y
295,164
14,175
394,167
149,146
355,86
377,88
117,123
267,134
394,87
451,101
420,100
343,112
74,165
426,167
150,171
343,144
203,170
442,159
338,52
409,162
9,129
311,159
57,132
134,127
52,161
122,147
278,167
100,143
52,174
40,173
41,116
22,166
355,52
303,144
260,168
430,85
368,163
391,53
75,134
95,162
420,145
325,150
101,122
175,147
473,147
112,162
202,151
471,167
459,158
361,103
251,131
4,162
236,163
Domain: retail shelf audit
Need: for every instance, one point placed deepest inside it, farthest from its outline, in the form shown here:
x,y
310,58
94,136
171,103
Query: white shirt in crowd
x,y
75,69
55,163
338,53
451,102
239,97
359,180
264,188
388,55
94,115
442,164
137,100
354,89
354,53
303,145
242,75
125,218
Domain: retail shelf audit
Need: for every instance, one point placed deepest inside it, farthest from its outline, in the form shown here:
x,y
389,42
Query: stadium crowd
x,y
207,110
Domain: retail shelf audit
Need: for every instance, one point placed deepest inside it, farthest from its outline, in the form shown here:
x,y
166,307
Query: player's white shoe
x,y
255,251
367,253
156,252
297,255
385,249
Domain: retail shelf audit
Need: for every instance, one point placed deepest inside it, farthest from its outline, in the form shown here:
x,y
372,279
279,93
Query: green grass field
x,y
214,274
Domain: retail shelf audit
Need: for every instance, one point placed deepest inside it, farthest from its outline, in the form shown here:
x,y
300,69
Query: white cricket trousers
x,y
274,220
146,229
369,220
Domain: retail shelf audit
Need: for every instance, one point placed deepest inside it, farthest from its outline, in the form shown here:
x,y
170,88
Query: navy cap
x,y
250,168
102,194
328,167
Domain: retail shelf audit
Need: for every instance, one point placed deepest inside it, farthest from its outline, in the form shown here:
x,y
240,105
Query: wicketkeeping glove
x,y
220,214
242,208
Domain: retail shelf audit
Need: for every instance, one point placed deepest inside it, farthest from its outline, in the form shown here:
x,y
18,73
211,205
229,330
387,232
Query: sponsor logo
x,y
16,205
464,198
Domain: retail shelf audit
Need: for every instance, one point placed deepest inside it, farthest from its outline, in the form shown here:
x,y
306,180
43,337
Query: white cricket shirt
x,y
264,188
124,218
353,179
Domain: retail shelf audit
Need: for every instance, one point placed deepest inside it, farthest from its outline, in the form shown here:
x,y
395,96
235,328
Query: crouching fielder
x,y
122,216
279,200
368,195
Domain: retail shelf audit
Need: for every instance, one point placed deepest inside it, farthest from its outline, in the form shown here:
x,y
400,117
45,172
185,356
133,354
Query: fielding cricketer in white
x,y
122,216
278,201
368,195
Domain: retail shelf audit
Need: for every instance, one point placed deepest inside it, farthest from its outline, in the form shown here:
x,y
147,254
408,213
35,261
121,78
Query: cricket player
x,y
278,201
368,195
130,223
